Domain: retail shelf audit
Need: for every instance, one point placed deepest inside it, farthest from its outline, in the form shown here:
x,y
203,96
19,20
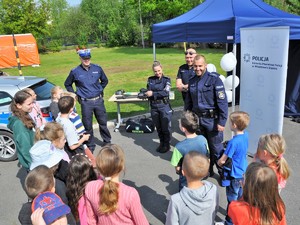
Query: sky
x,y
74,2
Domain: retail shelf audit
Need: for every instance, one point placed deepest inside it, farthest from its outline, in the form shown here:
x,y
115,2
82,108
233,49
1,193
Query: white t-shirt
x,y
69,130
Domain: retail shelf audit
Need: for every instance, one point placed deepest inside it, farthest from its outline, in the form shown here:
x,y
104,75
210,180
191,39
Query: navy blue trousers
x,y
96,107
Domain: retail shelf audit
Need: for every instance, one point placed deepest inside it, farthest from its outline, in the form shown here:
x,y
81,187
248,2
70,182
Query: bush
x,y
54,45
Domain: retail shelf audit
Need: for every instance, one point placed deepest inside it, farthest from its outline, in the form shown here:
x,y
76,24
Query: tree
x,y
290,6
24,16
115,22
76,27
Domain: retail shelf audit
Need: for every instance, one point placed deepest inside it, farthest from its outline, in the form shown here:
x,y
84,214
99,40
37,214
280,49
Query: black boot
x,y
165,148
159,147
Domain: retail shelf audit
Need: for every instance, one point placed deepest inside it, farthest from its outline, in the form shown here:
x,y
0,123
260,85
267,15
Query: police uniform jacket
x,y
185,73
89,83
160,87
207,92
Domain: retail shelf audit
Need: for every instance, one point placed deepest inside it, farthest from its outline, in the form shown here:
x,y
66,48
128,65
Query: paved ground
x,y
153,176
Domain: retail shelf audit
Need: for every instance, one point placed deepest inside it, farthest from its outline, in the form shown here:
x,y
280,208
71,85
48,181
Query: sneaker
x,y
219,223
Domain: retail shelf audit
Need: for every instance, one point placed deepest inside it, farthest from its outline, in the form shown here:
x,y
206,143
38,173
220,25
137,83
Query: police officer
x,y
158,87
206,97
90,81
185,73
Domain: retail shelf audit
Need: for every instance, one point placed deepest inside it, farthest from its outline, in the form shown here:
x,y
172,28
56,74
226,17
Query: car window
x,y
43,90
5,98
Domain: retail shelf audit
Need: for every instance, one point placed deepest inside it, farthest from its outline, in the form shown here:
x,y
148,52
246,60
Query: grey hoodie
x,y
194,206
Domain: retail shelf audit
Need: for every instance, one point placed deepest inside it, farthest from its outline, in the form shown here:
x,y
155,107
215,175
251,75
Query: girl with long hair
x,y
261,203
108,200
270,150
80,172
22,126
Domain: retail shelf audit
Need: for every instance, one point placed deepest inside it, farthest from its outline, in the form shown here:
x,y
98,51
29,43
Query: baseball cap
x,y
53,205
84,53
44,153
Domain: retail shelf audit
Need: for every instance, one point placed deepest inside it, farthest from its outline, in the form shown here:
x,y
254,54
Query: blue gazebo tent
x,y
220,21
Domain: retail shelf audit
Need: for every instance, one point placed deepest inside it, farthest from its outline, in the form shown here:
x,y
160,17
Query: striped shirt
x,y
129,209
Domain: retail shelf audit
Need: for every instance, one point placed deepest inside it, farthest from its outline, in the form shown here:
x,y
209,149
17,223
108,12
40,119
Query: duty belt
x,y
165,101
91,99
211,113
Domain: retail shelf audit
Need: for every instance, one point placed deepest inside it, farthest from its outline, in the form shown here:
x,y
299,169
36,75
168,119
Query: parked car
x,y
9,85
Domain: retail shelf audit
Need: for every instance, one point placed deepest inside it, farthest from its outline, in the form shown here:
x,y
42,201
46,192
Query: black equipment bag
x,y
143,125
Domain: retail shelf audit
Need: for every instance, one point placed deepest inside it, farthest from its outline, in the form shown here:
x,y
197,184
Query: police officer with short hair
x,y
207,98
185,73
90,81
158,87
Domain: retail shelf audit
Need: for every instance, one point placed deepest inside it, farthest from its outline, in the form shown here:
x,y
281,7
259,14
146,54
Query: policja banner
x,y
264,59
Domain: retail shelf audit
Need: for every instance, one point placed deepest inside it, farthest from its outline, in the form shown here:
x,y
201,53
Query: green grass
x,y
126,68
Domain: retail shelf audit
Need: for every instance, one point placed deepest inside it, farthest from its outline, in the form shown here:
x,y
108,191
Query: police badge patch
x,y
221,94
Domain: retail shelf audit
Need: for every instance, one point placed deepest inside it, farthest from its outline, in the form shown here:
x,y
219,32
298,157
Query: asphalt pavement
x,y
152,174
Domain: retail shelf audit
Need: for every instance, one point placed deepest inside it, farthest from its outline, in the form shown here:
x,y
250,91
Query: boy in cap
x,y
90,81
39,180
54,210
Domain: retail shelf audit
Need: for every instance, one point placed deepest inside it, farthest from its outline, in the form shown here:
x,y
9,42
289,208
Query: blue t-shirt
x,y
237,149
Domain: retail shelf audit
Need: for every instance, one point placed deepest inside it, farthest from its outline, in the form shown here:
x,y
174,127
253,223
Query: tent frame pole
x,y
154,52
233,80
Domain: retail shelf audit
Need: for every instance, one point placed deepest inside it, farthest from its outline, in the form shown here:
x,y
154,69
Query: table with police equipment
x,y
127,98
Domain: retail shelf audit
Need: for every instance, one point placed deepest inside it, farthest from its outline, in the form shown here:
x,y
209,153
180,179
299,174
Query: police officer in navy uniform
x,y
207,98
185,73
158,87
90,81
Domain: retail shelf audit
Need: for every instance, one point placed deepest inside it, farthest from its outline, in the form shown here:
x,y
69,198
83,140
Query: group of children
x,y
252,191
66,184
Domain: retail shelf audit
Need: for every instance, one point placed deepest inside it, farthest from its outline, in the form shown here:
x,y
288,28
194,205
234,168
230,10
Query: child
x,y
54,133
39,180
270,150
45,153
80,172
73,116
76,120
55,210
261,202
36,113
188,125
198,202
22,126
74,143
236,150
55,96
108,200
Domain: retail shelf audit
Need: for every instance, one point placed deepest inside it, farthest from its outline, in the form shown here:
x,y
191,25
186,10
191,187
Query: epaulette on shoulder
x,y
182,66
214,74
95,65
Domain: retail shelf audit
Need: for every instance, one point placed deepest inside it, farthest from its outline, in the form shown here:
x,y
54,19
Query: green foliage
x,y
76,27
290,6
54,45
24,16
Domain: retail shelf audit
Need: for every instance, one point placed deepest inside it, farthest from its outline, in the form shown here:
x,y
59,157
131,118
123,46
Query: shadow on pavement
x,y
153,202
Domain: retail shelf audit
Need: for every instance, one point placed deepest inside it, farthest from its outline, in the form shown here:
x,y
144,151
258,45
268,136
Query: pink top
x,y
82,211
129,206
36,115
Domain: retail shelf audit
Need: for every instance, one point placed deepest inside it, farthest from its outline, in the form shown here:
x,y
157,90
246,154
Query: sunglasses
x,y
190,53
